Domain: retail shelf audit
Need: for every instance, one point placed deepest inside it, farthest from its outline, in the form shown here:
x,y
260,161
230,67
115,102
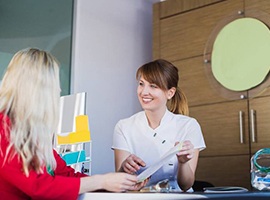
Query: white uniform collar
x,y
166,117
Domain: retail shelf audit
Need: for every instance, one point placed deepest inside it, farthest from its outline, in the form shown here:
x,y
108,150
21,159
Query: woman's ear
x,y
171,93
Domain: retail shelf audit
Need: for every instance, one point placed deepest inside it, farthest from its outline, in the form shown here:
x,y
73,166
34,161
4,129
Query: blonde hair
x,y
29,96
165,75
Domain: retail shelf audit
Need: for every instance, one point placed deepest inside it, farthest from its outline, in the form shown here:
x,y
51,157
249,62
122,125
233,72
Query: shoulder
x,y
182,118
132,119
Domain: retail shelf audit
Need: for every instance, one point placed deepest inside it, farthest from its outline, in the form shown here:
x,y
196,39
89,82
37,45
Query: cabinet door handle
x,y
241,127
252,121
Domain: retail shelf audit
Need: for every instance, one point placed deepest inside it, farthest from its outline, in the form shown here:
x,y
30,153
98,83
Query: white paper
x,y
226,189
153,168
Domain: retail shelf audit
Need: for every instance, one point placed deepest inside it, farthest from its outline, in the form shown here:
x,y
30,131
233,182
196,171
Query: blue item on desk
x,y
260,170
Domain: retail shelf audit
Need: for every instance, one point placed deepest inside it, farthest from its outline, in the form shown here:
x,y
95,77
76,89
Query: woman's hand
x,y
114,182
142,184
132,164
186,153
187,159
120,182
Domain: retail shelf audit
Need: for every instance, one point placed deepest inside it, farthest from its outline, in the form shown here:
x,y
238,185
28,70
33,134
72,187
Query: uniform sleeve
x,y
194,134
119,140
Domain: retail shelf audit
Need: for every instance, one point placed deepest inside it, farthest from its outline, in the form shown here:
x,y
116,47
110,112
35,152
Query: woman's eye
x,y
154,86
140,83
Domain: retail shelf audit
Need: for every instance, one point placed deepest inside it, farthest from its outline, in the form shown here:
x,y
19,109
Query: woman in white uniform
x,y
140,141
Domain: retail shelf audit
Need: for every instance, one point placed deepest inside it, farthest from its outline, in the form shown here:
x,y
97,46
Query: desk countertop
x,y
138,196
175,196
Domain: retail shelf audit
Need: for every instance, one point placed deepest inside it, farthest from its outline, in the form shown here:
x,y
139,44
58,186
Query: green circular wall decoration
x,y
240,57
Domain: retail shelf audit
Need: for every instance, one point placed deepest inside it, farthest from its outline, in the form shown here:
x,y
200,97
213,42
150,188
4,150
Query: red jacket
x,y
14,184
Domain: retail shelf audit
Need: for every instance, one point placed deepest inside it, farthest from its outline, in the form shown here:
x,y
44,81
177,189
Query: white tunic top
x,y
136,136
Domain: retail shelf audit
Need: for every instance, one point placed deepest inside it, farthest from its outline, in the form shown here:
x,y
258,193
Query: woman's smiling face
x,y
151,97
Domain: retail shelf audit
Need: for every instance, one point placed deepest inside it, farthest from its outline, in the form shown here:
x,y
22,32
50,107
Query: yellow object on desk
x,y
82,133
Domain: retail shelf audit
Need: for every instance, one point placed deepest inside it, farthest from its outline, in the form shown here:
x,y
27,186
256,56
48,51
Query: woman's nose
x,y
145,90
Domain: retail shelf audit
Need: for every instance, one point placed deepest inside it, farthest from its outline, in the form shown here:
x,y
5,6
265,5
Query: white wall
x,y
111,40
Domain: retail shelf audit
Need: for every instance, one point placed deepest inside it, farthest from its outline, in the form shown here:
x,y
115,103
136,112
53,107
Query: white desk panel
x,y
138,196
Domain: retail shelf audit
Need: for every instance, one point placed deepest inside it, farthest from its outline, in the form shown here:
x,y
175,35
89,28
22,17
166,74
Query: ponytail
x,y
178,104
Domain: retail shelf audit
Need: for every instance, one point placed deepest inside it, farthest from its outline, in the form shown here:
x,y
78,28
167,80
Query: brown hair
x,y
165,75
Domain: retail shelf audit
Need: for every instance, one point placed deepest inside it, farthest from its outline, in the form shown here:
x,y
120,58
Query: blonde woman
x,y
29,167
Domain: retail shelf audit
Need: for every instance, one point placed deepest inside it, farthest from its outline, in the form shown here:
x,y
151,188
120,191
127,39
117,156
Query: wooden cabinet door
x,y
185,35
262,6
220,125
259,10
169,8
260,125
200,86
225,170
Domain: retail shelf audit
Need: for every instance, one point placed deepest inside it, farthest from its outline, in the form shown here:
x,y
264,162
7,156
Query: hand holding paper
x,y
186,153
132,164
152,169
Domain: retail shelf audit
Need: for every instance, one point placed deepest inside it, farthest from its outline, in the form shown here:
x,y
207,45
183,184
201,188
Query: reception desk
x,y
175,196
139,196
